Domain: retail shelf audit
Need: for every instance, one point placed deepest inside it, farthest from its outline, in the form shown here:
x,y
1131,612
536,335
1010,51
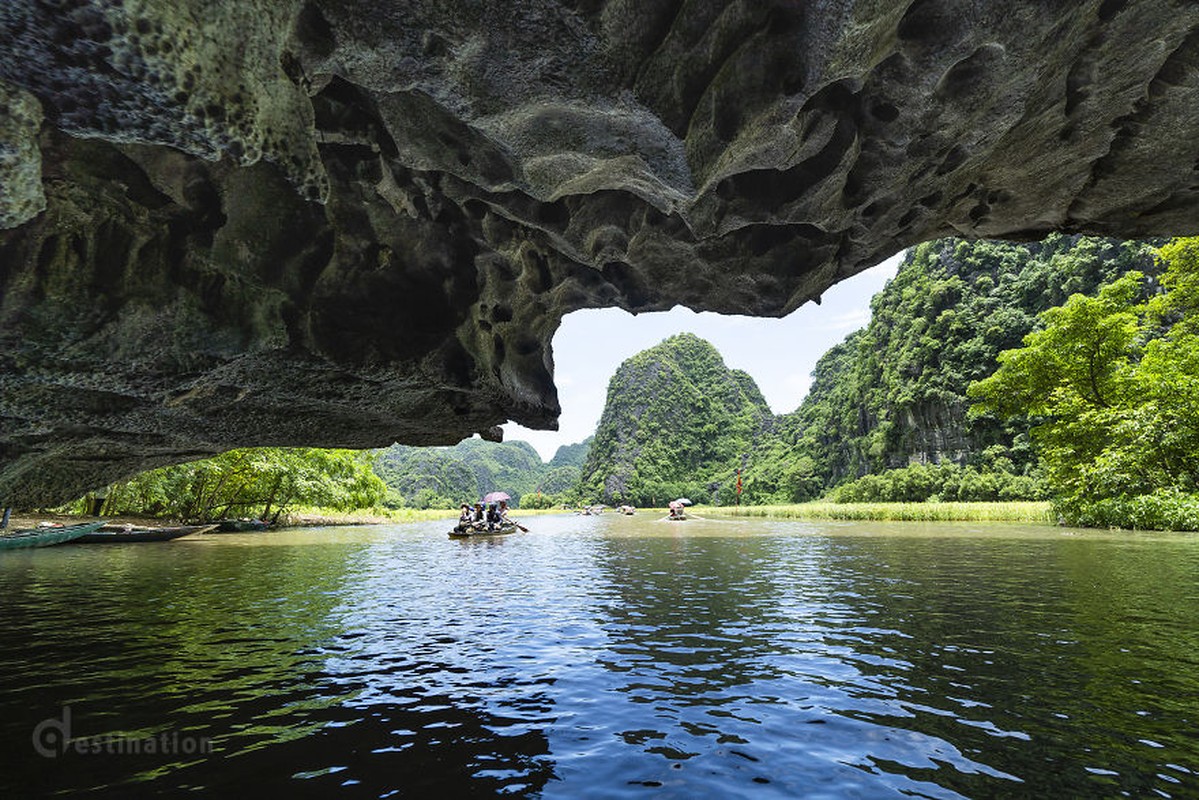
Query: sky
x,y
779,354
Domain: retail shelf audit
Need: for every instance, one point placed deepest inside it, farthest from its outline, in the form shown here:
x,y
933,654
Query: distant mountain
x,y
677,422
561,477
427,476
440,476
572,455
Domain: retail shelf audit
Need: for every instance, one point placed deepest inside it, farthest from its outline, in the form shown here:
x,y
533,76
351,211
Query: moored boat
x,y
113,535
44,537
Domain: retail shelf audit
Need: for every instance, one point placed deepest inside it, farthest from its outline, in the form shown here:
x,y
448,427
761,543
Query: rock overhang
x,y
346,223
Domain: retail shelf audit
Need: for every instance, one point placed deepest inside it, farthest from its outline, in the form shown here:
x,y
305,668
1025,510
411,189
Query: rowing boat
x,y
118,535
44,537
466,533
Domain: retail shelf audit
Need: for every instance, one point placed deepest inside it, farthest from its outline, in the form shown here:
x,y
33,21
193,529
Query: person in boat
x,y
503,511
493,516
479,514
465,517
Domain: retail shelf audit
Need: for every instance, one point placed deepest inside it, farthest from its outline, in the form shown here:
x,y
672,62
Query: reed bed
x,y
1034,513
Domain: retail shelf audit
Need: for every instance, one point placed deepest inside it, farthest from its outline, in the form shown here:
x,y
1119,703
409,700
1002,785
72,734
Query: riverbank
x,y
22,520
1033,513
299,518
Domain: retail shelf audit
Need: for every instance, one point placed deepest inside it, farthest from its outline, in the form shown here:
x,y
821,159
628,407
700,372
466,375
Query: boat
x,y
628,510
469,532
44,537
110,534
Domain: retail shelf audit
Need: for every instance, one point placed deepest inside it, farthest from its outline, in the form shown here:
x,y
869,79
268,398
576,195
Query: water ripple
x,y
604,657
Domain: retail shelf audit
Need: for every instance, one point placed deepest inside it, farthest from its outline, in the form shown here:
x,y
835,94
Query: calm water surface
x,y
607,657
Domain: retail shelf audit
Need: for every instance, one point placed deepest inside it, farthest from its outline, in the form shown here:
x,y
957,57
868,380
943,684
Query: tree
x,y
1114,381
261,481
894,393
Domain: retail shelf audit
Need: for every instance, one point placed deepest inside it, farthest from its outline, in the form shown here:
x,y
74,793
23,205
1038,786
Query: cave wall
x,y
346,223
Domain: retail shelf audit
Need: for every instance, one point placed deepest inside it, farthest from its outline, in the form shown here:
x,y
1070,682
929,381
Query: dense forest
x,y
1061,369
1113,381
259,482
676,423
892,398
444,477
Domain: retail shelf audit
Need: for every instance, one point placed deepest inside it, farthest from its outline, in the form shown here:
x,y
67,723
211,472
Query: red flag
x,y
738,481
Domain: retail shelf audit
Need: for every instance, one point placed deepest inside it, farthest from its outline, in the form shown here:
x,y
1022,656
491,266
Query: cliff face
x,y
894,393
676,422
250,222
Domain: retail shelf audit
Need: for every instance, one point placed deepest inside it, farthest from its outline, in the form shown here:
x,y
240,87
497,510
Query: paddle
x,y
519,527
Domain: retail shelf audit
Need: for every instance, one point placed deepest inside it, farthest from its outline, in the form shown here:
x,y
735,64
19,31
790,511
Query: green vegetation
x,y
444,477
572,455
942,482
261,482
301,485
1113,381
1032,513
1098,409
894,394
676,423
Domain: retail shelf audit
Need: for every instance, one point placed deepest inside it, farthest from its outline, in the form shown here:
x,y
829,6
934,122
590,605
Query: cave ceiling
x,y
346,223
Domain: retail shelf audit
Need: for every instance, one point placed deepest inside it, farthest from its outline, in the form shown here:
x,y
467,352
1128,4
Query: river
x,y
607,657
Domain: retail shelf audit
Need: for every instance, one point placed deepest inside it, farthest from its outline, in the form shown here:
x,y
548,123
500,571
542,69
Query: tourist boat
x,y
469,532
110,534
44,537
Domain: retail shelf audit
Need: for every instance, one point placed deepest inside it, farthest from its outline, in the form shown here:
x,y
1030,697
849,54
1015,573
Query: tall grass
x,y
1029,512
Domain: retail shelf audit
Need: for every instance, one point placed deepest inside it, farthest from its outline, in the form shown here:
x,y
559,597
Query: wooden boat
x,y
467,533
44,537
110,534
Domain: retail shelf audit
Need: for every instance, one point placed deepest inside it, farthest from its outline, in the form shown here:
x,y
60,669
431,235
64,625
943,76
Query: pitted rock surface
x,y
345,223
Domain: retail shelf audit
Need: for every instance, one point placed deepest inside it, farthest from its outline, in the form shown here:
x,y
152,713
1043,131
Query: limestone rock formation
x,y
345,222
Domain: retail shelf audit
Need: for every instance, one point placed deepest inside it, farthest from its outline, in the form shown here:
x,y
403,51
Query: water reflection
x,y
600,657
735,662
